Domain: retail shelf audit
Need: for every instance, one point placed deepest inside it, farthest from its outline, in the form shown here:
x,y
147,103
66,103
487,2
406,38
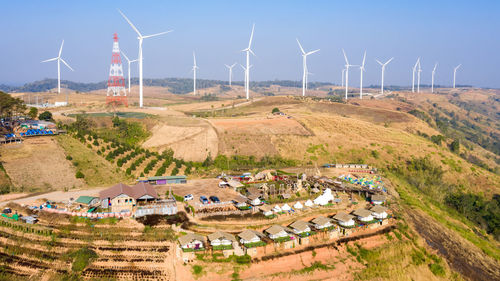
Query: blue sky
x,y
447,32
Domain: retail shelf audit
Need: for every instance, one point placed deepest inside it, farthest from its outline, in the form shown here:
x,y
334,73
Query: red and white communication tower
x,y
116,83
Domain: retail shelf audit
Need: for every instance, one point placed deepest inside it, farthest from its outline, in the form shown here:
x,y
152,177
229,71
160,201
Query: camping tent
x,y
277,209
286,208
298,205
324,198
309,203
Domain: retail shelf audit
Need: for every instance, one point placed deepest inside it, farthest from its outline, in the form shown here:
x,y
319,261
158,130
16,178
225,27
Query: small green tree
x,y
455,146
79,175
33,113
275,110
46,115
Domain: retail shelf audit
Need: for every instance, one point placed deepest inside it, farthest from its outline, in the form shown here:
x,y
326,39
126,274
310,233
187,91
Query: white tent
x,y
286,208
277,209
298,205
309,203
324,198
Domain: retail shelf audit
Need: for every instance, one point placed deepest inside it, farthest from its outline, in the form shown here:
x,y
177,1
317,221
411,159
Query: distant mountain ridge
x,y
176,85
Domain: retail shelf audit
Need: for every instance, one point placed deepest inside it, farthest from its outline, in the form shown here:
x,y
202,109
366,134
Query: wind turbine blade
x,y
227,66
250,50
391,60
458,66
312,52
233,65
194,59
251,36
50,60
243,67
379,62
60,49
67,65
364,58
156,34
130,23
123,53
345,57
134,60
300,46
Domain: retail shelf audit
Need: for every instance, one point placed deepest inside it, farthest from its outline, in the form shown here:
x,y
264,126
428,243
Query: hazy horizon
x,y
448,32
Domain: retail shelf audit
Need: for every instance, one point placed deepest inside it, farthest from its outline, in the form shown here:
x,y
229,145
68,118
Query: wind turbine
x,y
413,77
245,70
248,50
361,69
418,77
433,73
383,70
455,74
140,37
347,65
304,66
195,67
230,67
129,62
59,59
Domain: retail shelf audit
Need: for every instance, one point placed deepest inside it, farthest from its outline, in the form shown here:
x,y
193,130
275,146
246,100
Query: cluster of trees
x,y
10,106
126,158
485,213
127,132
117,152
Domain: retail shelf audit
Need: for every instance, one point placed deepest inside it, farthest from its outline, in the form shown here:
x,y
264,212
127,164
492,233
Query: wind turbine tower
x,y
195,67
304,66
141,38
455,74
343,75
413,77
248,50
418,77
362,69
129,62
383,70
433,73
347,65
59,59
230,67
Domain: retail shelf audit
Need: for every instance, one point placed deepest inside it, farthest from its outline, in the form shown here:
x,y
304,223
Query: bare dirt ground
x,y
189,143
461,255
38,162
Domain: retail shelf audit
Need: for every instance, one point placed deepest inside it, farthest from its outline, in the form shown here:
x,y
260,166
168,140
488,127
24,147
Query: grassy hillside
x,y
95,169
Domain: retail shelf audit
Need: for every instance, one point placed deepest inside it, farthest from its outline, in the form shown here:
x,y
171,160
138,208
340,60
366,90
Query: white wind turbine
x,y
418,77
383,70
140,37
433,73
362,69
248,50
245,71
230,67
347,65
304,66
413,75
455,74
195,67
129,62
59,59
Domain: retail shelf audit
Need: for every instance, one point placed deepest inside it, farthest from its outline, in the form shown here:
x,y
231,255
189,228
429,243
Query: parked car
x,y
214,199
204,200
188,197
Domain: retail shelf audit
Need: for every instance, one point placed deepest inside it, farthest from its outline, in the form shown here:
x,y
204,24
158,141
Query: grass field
x,y
137,115
96,170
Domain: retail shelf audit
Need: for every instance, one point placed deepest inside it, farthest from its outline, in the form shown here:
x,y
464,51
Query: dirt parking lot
x,y
199,187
